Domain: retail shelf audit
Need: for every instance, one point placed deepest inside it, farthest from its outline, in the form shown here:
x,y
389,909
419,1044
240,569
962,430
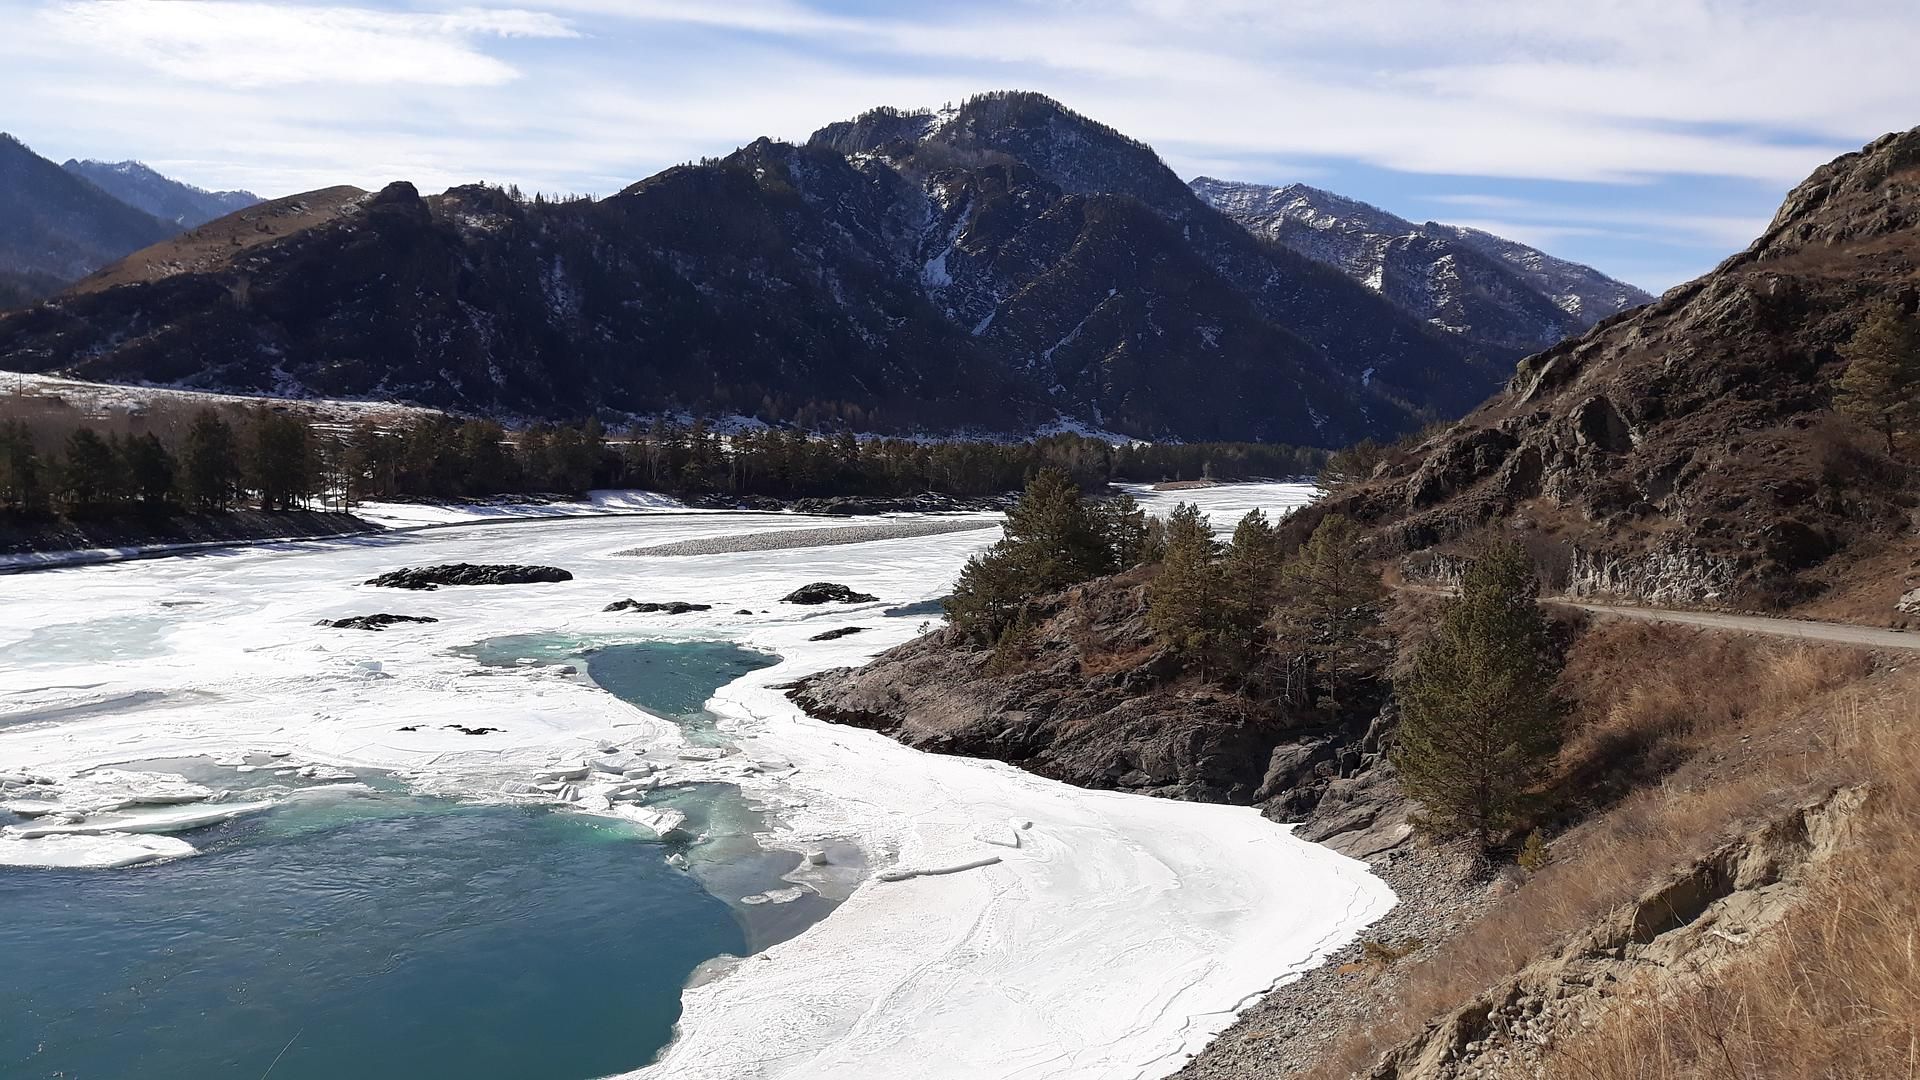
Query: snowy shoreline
x,y
1092,933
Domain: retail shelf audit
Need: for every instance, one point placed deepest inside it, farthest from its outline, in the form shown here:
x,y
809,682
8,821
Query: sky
x,y
1649,138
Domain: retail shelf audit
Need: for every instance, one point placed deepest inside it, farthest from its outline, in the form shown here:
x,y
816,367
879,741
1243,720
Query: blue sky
x,y
1650,139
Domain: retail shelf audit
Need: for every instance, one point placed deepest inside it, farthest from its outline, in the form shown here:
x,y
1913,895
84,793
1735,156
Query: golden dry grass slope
x,y
1694,756
215,245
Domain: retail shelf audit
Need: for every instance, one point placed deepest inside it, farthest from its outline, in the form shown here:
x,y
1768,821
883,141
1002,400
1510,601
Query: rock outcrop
x,y
1678,931
1687,451
1094,703
432,577
375,622
826,592
671,607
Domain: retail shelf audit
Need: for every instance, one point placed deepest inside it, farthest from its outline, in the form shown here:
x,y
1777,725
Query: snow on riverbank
x,y
1112,937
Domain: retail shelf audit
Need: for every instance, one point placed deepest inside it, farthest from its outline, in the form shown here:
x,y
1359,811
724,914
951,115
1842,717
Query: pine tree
x,y
1123,525
1247,572
86,474
1050,541
1327,602
148,469
488,467
21,484
1057,538
1479,721
280,461
209,464
1185,602
1881,386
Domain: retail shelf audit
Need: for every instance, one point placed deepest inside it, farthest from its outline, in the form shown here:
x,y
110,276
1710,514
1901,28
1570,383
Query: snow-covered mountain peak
x,y
1486,288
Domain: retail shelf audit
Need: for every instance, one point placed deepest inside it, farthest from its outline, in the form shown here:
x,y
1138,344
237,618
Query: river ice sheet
x,y
1048,932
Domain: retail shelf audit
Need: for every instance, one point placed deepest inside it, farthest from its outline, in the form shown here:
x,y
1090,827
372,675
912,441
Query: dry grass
x,y
1715,732
1831,993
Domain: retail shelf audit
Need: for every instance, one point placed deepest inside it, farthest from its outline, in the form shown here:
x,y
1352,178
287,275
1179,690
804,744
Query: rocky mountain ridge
x,y
1688,451
140,186
1494,292
56,227
994,268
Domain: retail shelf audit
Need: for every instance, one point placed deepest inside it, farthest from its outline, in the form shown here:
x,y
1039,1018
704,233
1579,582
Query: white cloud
x,y
249,45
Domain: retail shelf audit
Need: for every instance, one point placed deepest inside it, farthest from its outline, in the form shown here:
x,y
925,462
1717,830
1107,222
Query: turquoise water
x,y
425,940
374,934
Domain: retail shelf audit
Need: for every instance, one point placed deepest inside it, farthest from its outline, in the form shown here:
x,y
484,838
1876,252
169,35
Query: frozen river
x,y
1093,934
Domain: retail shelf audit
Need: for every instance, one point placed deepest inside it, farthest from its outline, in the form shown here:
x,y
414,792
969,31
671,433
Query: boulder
x,y
825,592
672,607
839,633
432,577
376,622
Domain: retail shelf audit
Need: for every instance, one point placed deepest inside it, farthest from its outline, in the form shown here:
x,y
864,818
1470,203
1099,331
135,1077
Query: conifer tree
x,y
147,468
1247,572
209,464
1050,541
1327,596
87,473
281,461
1881,386
21,484
1124,525
1185,601
1479,721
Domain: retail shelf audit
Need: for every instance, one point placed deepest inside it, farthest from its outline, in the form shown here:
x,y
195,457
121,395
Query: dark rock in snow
x,y
375,622
432,577
840,633
825,592
672,607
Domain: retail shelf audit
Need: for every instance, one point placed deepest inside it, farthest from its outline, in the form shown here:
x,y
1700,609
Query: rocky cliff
x,y
1092,700
1687,451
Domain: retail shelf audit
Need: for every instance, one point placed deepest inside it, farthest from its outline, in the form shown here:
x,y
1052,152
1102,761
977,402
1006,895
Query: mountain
x,y
138,186
996,267
1494,292
56,227
209,247
1687,451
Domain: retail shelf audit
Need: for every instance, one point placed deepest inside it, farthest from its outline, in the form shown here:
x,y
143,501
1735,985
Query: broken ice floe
x,y
908,873
107,852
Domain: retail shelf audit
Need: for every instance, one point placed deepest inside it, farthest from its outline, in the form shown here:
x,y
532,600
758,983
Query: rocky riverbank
x,y
22,536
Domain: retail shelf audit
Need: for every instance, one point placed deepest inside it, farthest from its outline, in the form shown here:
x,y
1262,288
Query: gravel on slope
x,y
783,539
1440,893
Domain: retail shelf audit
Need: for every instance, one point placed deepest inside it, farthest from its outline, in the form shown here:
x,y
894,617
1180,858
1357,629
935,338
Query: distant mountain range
x,y
59,224
169,200
1492,291
996,268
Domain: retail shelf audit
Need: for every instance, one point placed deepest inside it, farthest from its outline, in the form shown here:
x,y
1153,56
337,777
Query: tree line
x,y
278,460
272,461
